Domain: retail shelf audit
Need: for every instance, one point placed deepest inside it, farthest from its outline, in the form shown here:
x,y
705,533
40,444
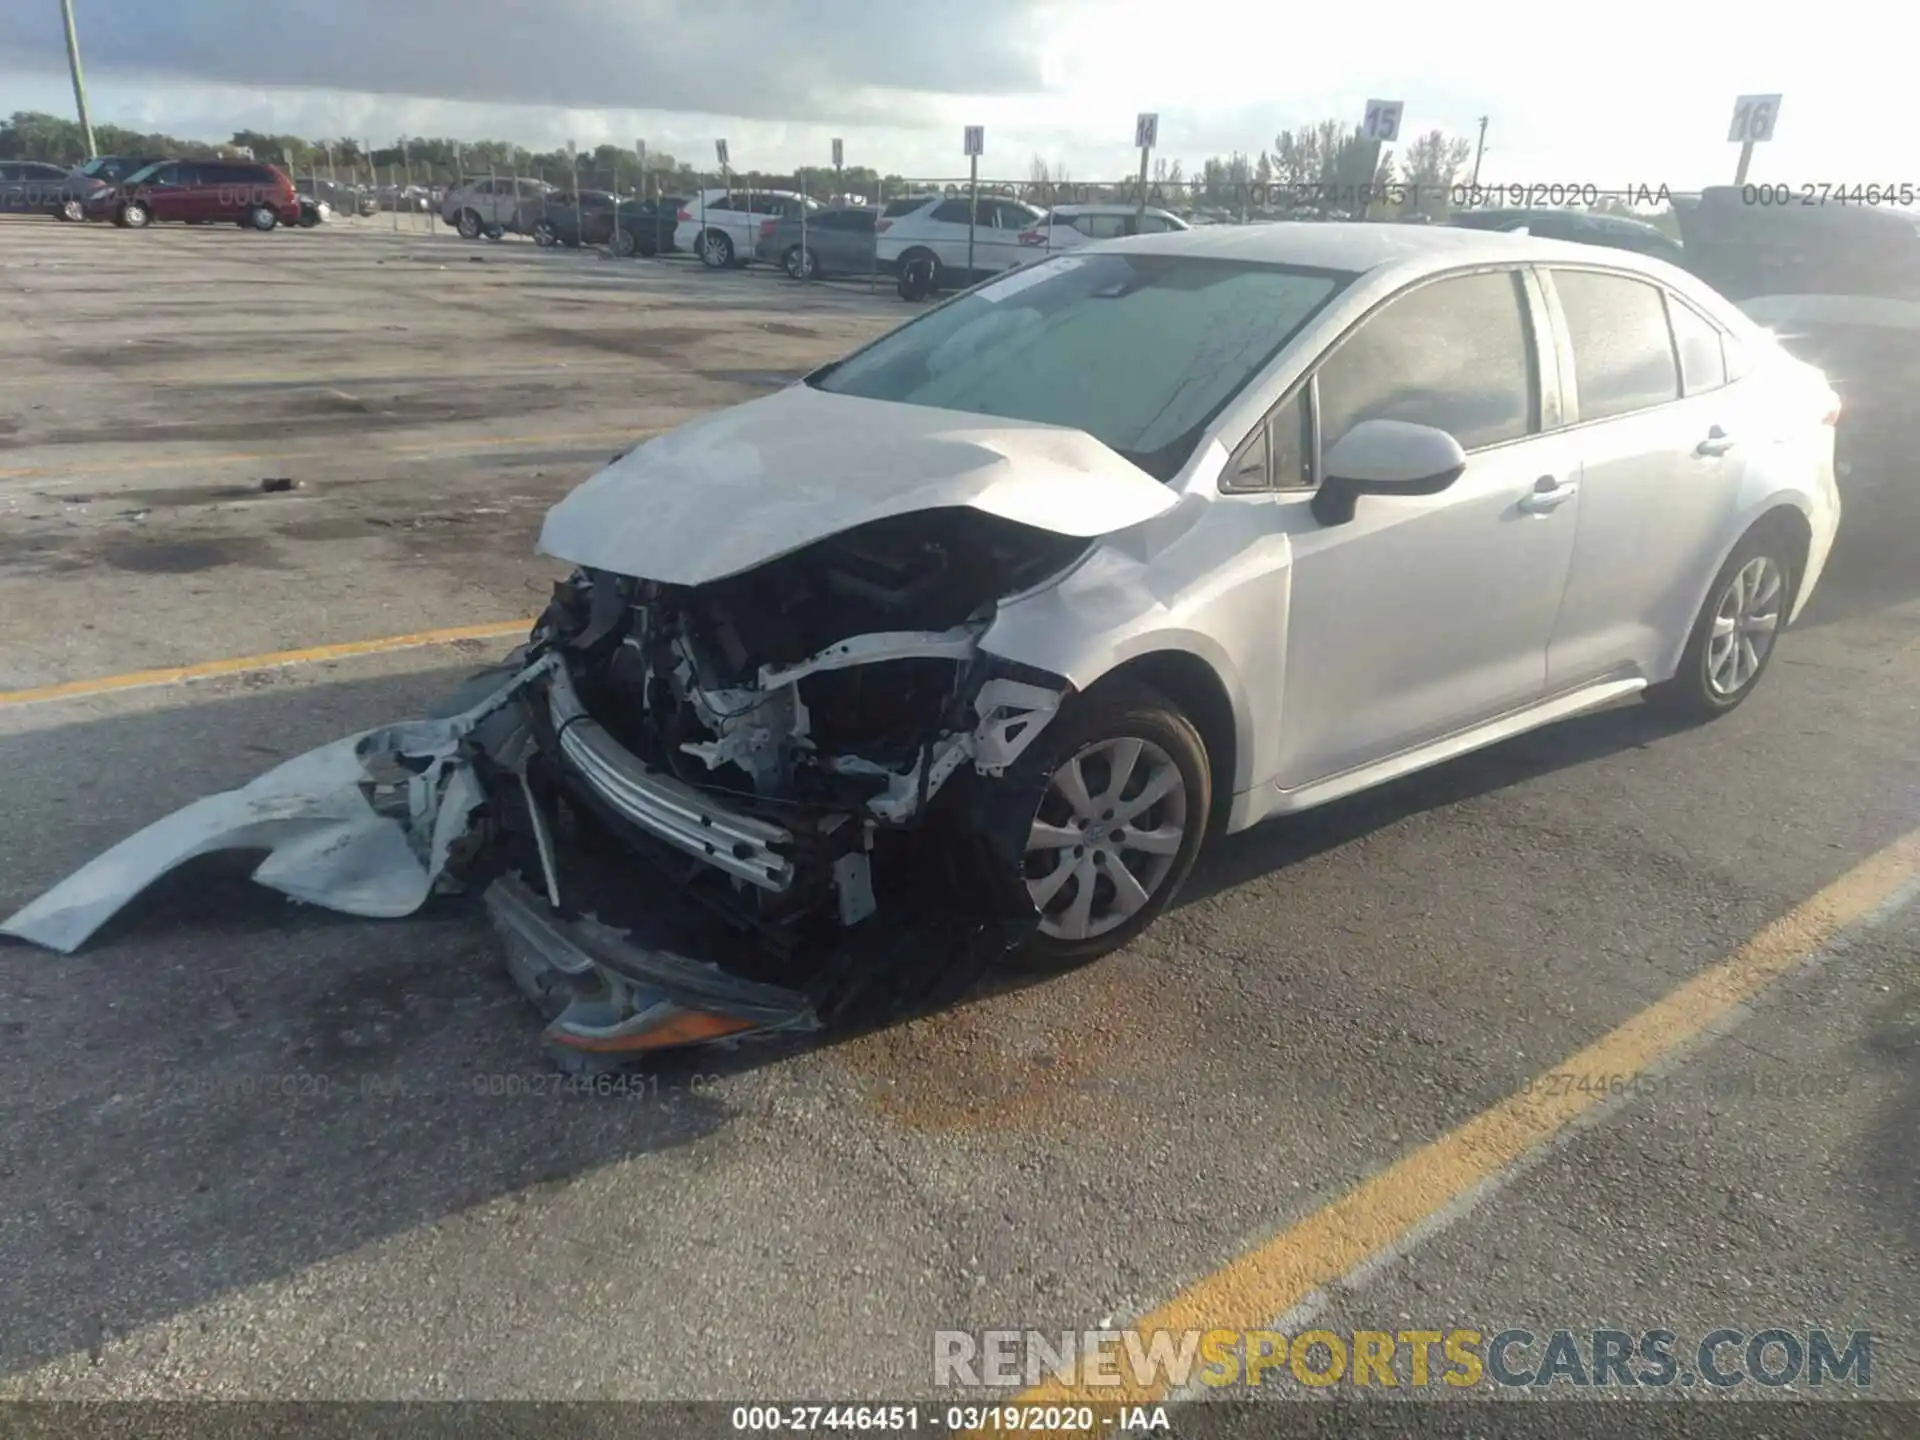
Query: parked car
x,y
953,653
93,178
205,192
492,205
1839,284
932,227
722,226
626,227
1067,227
337,198
1620,232
835,241
30,187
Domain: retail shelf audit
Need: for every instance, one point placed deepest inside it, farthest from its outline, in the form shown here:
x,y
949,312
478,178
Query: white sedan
x,y
954,651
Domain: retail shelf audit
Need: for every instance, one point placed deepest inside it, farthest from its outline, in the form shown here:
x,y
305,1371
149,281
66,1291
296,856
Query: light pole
x,y
79,85
1479,149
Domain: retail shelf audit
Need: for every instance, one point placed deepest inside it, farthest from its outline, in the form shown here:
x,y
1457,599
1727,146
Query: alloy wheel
x,y
1105,837
1745,621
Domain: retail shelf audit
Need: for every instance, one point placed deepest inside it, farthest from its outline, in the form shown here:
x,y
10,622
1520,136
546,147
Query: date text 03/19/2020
x,y
1007,1419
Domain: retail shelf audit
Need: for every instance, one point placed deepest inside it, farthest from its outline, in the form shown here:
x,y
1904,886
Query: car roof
x,y
1110,209
1359,246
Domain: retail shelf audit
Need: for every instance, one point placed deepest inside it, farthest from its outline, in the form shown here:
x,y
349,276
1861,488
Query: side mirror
x,y
1385,457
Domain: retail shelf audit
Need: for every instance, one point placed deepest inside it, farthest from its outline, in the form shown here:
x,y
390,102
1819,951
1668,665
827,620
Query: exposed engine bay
x,y
772,802
781,748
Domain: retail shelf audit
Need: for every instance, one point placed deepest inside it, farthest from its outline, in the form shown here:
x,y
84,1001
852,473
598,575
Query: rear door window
x,y
1455,353
1101,227
951,212
896,208
1623,356
1703,363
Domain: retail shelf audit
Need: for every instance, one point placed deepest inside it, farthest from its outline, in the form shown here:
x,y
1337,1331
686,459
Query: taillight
x,y
1032,237
684,215
1832,416
880,225
766,229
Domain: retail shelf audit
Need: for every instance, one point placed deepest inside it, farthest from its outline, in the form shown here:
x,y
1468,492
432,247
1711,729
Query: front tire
x,y
1125,794
1736,632
468,225
544,235
625,244
801,265
72,210
133,215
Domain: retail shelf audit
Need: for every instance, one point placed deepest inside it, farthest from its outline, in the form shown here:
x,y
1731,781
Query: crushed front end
x,y
760,805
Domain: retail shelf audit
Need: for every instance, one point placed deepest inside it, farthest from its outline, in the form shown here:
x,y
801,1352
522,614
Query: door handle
x,y
1548,494
1718,442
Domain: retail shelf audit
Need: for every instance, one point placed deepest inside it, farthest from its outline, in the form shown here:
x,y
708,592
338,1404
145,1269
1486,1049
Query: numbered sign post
x,y
720,154
640,158
1379,128
976,145
1753,120
1146,135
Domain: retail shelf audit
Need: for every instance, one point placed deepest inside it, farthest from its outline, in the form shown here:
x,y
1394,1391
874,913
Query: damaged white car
x,y
953,651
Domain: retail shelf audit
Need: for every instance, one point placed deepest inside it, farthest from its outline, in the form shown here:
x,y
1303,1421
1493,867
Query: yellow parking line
x,y
1266,1282
243,664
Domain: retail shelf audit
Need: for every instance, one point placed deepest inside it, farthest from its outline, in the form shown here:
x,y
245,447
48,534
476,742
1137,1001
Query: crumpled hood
x,y
750,484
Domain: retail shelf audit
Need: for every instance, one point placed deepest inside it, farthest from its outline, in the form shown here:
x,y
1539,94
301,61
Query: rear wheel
x,y
1735,634
1124,797
920,274
544,235
801,265
263,218
716,250
625,244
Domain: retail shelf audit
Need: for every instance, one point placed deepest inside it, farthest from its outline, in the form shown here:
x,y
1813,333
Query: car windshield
x,y
1139,351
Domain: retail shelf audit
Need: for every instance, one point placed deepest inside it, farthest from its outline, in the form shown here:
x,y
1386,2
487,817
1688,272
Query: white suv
x,y
494,205
933,227
721,226
1067,226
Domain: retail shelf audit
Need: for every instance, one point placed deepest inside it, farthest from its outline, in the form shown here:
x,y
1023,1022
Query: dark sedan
x,y
836,242
642,228
1618,232
95,178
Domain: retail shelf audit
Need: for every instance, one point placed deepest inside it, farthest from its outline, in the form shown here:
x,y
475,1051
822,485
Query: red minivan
x,y
241,192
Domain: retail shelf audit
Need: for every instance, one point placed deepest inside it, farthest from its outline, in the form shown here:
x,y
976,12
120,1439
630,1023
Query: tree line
x,y
1327,161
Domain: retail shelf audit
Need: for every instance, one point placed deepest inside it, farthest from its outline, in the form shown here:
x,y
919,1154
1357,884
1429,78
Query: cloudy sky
x,y
1626,93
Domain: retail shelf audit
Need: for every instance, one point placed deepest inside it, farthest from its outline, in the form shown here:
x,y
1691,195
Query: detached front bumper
x,y
618,993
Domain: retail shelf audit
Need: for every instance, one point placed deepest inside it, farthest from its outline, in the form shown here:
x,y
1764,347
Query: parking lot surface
x,y
253,1150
